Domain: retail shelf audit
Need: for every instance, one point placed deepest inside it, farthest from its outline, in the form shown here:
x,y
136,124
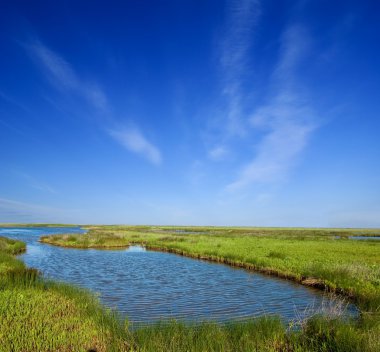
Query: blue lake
x,y
146,285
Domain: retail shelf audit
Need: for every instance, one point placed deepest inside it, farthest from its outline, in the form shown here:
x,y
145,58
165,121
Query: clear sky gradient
x,y
190,112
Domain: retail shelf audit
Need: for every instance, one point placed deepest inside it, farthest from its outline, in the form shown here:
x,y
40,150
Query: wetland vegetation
x,y
41,315
38,314
309,256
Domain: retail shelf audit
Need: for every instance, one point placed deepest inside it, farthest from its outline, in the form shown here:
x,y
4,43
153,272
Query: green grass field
x,y
39,315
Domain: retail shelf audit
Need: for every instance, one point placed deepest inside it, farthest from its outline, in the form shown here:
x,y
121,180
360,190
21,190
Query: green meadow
x,y
41,315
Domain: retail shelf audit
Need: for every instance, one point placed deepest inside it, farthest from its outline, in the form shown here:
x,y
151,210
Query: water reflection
x,y
136,249
148,285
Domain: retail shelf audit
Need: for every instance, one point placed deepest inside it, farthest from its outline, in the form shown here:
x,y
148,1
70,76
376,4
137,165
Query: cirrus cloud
x,y
61,75
287,120
133,140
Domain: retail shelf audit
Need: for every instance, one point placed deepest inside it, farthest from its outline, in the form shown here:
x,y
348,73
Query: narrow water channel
x,y
147,286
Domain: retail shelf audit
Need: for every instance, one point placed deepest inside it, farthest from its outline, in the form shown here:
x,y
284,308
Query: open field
x,y
62,318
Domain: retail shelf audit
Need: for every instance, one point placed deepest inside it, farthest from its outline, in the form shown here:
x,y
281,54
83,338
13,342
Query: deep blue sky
x,y
203,112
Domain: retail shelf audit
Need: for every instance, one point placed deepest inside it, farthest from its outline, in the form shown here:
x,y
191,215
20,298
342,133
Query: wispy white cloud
x,y
13,101
242,18
62,76
277,152
228,119
218,153
133,140
60,73
287,120
16,211
294,47
34,183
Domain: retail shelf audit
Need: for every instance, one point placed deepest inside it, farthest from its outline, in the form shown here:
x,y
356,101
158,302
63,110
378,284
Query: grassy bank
x,y
322,258
259,335
39,315
8,249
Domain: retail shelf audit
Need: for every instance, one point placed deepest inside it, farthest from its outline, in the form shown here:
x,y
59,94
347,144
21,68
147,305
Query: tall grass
x,y
10,246
36,314
41,315
262,334
319,333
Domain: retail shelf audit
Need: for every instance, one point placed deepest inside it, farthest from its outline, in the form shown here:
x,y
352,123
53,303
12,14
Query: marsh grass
x,y
42,315
276,254
319,333
255,335
53,319
97,240
310,256
314,257
10,246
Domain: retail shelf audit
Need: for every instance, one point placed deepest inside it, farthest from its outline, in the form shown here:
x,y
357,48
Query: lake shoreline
x,y
258,334
306,280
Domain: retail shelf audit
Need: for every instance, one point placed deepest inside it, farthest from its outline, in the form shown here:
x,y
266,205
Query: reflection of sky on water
x,y
148,285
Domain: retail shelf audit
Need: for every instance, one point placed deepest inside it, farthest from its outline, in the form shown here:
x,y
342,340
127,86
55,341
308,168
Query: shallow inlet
x,y
147,286
365,238
359,238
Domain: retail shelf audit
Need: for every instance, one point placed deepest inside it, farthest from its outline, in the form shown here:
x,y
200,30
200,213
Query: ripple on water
x,y
148,285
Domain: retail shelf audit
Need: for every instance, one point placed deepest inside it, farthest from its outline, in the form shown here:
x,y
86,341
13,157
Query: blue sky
x,y
187,112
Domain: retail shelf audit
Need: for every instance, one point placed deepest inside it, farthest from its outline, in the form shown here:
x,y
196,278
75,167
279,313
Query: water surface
x,y
370,238
148,285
